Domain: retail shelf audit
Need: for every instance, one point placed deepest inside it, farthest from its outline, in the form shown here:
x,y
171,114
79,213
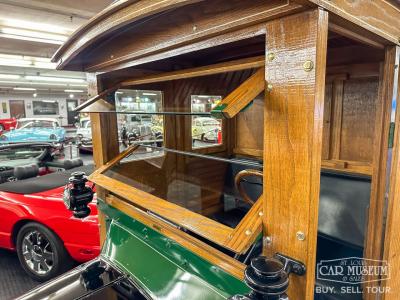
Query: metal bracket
x,y
291,265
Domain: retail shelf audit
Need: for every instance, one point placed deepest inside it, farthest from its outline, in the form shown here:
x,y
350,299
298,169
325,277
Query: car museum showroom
x,y
200,149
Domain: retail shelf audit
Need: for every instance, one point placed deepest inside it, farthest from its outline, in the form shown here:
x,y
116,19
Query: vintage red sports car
x,y
34,220
7,124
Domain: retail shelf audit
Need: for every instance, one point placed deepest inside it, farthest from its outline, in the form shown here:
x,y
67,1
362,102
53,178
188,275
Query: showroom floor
x,y
13,279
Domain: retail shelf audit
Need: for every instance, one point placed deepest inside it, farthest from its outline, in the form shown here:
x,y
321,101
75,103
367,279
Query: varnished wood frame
x,y
392,231
293,123
200,248
238,239
375,240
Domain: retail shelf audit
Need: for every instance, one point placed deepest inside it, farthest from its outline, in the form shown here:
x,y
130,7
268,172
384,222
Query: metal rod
x,y
164,113
227,160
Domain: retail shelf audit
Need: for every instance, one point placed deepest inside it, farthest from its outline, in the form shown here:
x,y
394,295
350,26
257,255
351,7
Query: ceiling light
x,y
71,96
73,91
78,85
34,95
31,39
58,79
49,101
24,89
35,34
149,94
14,62
9,76
35,26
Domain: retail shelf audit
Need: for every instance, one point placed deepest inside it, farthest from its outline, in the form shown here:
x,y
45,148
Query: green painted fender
x,y
162,267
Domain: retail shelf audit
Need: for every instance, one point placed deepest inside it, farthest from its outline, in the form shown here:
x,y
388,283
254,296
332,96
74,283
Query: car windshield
x,y
21,152
25,124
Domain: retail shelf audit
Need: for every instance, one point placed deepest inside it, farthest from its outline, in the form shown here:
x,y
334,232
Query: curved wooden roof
x,y
133,32
115,16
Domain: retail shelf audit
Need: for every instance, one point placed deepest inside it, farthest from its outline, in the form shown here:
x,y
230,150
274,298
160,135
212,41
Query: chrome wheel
x,y
37,252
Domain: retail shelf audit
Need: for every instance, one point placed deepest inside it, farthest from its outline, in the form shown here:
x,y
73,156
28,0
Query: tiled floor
x,y
13,279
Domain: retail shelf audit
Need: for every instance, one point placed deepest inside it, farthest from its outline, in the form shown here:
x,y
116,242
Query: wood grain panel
x,y
183,26
360,98
377,16
293,123
327,121
248,132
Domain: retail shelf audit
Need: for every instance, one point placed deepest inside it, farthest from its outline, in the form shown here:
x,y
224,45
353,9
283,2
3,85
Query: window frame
x,y
237,239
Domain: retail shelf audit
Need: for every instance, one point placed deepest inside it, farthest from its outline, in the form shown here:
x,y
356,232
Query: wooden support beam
x,y
375,228
230,66
336,119
95,98
392,234
240,97
293,121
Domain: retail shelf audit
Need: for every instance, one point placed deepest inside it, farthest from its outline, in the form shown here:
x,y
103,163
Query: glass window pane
x,y
134,125
201,184
206,131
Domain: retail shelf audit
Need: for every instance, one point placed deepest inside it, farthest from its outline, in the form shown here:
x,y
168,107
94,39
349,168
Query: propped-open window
x,y
193,192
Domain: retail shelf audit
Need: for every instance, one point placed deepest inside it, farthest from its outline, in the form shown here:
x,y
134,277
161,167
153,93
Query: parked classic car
x,y
84,129
35,129
205,129
34,221
7,124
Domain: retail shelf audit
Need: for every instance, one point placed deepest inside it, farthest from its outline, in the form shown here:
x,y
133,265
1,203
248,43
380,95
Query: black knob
x,y
267,277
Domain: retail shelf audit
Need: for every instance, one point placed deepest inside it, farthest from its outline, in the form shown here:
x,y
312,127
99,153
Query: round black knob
x,y
266,277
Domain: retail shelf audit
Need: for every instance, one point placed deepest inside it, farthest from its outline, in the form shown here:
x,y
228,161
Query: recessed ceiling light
x,y
34,26
58,79
24,89
71,96
150,94
34,95
73,91
35,34
9,76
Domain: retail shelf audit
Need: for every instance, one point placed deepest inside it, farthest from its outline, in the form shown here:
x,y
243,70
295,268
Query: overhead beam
x,y
230,66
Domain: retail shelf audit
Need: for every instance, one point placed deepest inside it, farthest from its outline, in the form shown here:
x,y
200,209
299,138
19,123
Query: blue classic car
x,y
35,129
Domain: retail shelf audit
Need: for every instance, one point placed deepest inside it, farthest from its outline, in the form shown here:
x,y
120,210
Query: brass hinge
x,y
391,134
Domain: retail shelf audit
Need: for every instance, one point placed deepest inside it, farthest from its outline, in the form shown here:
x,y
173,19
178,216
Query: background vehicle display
x,y
205,129
7,124
84,129
32,129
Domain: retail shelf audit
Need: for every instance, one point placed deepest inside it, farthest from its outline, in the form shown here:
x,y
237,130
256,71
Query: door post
x,y
293,120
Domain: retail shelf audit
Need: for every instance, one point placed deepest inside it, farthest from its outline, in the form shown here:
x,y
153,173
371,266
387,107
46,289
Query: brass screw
x,y
269,87
194,28
260,213
248,232
271,56
308,65
267,240
300,235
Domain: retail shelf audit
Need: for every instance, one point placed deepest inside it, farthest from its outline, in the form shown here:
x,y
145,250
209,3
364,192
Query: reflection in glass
x,y
206,131
139,127
201,184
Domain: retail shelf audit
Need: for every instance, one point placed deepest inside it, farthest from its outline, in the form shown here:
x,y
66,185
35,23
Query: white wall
x,y
62,106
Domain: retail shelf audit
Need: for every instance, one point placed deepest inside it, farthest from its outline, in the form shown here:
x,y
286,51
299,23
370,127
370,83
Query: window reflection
x,y
206,131
138,123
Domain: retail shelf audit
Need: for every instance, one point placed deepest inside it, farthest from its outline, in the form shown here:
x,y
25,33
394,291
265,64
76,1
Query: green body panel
x,y
162,267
